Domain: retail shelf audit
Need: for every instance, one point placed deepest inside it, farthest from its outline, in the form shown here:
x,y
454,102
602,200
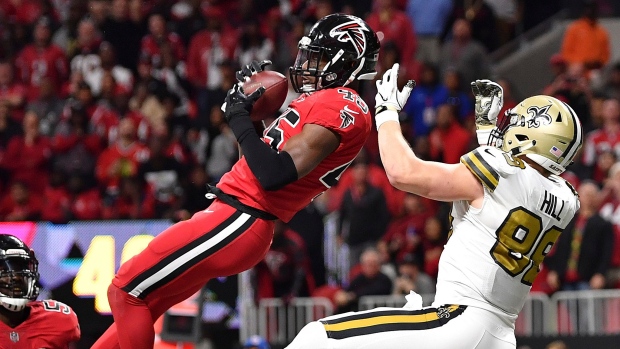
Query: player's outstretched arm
x,y
438,181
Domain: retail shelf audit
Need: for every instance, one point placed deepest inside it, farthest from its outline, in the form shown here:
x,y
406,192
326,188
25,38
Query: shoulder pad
x,y
489,164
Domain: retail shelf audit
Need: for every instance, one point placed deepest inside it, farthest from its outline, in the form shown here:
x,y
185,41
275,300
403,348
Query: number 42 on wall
x,y
99,265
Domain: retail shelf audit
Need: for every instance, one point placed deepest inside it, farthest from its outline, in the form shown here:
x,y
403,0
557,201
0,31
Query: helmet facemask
x,y
18,279
313,62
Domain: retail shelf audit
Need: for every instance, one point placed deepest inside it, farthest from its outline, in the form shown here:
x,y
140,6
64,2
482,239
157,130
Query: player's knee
x,y
312,336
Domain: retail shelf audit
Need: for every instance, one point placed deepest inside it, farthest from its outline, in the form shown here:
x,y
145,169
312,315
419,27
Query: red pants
x,y
219,241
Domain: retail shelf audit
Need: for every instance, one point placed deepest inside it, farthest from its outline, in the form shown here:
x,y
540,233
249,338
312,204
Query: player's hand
x,y
253,68
388,96
489,101
237,104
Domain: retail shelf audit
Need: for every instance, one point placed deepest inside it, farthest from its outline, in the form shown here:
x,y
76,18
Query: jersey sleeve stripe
x,y
377,321
481,169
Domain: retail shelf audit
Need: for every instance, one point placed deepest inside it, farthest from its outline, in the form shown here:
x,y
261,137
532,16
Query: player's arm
x,y
438,181
275,169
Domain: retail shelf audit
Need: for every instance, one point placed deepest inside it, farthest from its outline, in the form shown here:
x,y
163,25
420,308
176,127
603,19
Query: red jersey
x,y
33,64
598,142
340,110
50,325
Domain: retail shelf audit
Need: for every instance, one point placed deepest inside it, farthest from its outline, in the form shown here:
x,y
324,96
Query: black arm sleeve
x,y
272,169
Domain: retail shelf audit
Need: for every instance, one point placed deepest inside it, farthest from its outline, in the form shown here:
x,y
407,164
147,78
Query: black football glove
x,y
237,104
251,69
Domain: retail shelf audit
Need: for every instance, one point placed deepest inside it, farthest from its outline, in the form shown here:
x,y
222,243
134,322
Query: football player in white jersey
x,y
509,207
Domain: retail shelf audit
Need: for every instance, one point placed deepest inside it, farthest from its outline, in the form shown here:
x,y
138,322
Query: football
x,y
276,89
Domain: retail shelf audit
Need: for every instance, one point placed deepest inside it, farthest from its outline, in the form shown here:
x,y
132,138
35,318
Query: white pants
x,y
445,327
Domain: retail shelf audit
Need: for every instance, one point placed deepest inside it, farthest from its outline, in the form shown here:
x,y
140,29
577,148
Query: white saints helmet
x,y
544,129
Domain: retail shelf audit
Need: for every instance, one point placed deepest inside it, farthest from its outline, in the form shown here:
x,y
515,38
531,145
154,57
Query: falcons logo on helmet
x,y
353,32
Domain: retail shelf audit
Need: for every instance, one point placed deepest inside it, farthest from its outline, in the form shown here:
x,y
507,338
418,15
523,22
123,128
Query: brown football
x,y
276,89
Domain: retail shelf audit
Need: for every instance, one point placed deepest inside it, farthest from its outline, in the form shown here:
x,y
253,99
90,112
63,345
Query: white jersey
x,y
494,253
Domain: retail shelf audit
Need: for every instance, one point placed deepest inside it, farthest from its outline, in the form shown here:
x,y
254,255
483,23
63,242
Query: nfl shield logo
x,y
14,336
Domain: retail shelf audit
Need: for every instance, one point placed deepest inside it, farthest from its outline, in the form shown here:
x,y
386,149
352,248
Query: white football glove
x,y
389,101
489,102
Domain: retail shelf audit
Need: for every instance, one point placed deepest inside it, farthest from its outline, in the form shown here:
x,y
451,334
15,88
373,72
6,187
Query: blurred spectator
x,y
607,138
105,62
585,41
187,19
253,45
392,24
20,204
172,73
123,34
27,157
309,224
421,108
481,19
158,35
85,56
611,85
65,36
376,177
120,159
583,252
359,8
434,240
41,59
48,107
459,100
429,18
132,202
56,206
610,209
12,93
75,148
533,12
465,53
448,140
194,191
223,150
8,129
369,282
163,176
85,201
208,49
98,10
404,235
285,270
412,278
363,212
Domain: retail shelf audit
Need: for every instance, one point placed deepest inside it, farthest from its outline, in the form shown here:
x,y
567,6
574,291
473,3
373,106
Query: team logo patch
x,y
540,116
14,336
347,117
353,32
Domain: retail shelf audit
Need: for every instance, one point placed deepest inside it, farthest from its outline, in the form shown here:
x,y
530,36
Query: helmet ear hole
x,y
522,138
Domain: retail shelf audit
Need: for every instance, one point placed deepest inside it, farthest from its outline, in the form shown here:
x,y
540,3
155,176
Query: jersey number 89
x,y
519,234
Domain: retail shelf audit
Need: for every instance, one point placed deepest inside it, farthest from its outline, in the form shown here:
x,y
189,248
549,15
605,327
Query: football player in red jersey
x,y
301,154
24,322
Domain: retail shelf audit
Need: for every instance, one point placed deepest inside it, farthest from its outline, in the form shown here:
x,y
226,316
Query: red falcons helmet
x,y
347,46
18,273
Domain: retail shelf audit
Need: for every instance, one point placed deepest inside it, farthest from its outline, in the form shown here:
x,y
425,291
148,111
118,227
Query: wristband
x,y
385,113
483,133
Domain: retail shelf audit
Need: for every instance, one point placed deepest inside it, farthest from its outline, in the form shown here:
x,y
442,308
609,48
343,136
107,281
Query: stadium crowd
x,y
110,109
